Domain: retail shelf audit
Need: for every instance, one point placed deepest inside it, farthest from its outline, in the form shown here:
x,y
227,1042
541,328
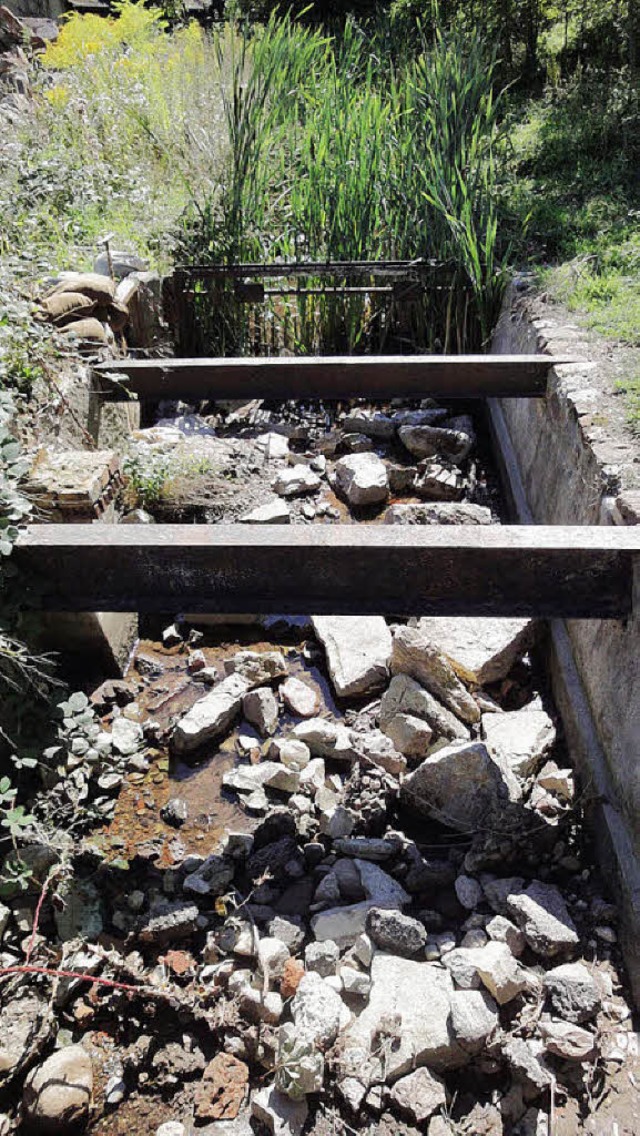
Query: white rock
x,y
564,1039
362,479
502,930
411,736
318,1011
326,739
260,708
272,955
126,736
273,445
500,972
474,1017
480,650
541,913
296,481
282,1116
560,782
358,651
275,512
312,777
520,738
406,1023
258,1006
322,957
291,752
460,786
171,1128
415,654
378,749
341,925
211,716
337,822
269,774
300,698
419,1095
355,982
300,1067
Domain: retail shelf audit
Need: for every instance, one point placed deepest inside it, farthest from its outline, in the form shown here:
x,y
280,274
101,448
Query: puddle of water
x,y
212,811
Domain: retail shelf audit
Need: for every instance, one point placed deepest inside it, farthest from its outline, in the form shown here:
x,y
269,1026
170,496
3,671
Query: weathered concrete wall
x,y
574,471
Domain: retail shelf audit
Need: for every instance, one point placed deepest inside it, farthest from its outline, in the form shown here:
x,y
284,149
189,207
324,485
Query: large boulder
x,y
460,786
358,652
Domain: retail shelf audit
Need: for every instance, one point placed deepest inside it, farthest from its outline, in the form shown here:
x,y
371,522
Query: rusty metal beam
x,y
328,377
578,572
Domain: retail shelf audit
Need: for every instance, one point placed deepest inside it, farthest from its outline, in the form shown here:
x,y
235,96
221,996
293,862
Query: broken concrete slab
x,y
358,650
480,650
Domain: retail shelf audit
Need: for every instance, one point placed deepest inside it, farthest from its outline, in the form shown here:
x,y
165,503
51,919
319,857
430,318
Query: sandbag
x,y
117,314
99,288
63,307
87,329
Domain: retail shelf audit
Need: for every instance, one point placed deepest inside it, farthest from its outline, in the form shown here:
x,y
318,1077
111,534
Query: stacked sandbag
x,y
85,305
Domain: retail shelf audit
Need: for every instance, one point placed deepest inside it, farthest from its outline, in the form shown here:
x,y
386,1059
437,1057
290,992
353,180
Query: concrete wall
x,y
569,475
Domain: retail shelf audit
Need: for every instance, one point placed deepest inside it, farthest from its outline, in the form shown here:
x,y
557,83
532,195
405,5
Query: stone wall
x,y
574,470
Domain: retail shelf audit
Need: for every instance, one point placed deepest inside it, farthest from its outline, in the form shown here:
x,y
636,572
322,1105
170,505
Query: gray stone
x,y
520,739
567,1040
380,888
378,749
406,696
171,1128
282,1116
260,708
397,933
468,891
275,512
169,921
480,650
291,752
460,786
371,423
341,925
269,774
317,1010
407,1023
288,930
419,1095
326,739
500,972
474,1017
362,479
438,482
573,992
57,1094
415,654
296,481
358,650
526,1065
368,848
322,957
411,736
210,717
355,982
300,698
541,913
497,891
436,441
502,930
272,955
438,513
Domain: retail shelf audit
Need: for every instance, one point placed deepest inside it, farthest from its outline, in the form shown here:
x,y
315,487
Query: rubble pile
x,y
402,934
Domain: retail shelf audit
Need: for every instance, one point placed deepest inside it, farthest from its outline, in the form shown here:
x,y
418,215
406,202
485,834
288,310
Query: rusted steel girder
x,y
329,377
578,572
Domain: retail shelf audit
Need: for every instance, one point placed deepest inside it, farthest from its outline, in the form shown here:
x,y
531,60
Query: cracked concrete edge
x,y
615,849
